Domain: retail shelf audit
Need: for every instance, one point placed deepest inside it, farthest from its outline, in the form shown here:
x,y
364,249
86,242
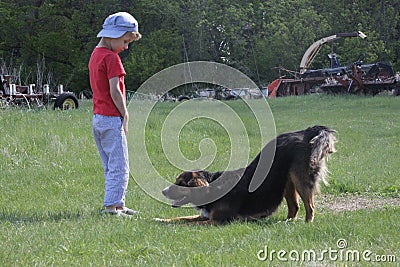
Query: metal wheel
x,y
66,101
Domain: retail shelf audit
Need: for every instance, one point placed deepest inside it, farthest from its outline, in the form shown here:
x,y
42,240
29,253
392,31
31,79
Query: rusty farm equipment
x,y
12,94
356,78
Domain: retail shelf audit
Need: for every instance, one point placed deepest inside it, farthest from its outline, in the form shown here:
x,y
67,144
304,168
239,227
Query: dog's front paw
x,y
161,220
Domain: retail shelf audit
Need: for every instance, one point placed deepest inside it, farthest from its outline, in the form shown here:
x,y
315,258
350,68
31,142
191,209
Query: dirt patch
x,y
354,202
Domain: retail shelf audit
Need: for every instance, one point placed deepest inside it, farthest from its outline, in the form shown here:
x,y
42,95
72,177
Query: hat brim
x,y
110,33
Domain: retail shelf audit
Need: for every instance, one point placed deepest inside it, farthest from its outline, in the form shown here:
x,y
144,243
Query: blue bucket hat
x,y
118,24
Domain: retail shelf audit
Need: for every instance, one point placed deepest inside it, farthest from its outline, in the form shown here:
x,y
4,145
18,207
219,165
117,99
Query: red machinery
x,y
356,78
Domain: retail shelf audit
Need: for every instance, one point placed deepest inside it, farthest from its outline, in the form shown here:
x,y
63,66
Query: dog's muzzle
x,y
177,194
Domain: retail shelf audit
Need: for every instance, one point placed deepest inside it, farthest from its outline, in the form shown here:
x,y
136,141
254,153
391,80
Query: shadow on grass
x,y
45,216
257,222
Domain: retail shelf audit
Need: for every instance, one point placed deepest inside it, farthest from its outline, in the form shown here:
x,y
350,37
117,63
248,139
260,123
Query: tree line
x,y
53,39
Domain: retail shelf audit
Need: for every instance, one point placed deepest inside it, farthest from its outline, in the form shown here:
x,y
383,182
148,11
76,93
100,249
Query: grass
x,y
52,189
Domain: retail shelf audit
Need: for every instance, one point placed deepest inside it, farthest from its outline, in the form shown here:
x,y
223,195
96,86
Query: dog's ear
x,y
206,175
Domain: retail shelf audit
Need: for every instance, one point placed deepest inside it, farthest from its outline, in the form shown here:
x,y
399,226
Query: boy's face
x,y
121,44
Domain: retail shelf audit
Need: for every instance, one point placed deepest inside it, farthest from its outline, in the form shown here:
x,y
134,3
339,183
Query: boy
x,y
110,120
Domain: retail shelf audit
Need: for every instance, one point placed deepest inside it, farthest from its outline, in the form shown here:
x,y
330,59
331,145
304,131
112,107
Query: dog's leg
x,y
311,209
305,187
307,196
188,219
292,200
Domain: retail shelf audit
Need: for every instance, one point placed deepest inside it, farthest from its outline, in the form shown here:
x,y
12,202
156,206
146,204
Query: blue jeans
x,y
113,148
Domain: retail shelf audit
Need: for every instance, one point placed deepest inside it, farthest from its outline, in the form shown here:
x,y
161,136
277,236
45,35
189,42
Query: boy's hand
x,y
119,101
125,122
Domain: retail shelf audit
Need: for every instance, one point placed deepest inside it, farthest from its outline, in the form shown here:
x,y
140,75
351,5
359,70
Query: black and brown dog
x,y
298,165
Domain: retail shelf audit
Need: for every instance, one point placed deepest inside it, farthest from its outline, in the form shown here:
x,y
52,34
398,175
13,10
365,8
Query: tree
x,y
253,36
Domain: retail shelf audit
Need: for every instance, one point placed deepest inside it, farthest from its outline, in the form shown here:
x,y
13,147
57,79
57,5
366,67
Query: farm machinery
x,y
356,78
12,94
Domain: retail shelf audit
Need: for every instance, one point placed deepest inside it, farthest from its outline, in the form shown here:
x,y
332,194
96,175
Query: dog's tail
x,y
322,145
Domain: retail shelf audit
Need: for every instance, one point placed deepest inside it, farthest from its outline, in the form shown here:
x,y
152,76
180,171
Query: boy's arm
x,y
119,101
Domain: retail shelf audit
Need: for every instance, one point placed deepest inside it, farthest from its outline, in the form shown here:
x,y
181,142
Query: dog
x,y
298,165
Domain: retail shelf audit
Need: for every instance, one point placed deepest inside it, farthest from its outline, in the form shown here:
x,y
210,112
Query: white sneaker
x,y
115,212
127,211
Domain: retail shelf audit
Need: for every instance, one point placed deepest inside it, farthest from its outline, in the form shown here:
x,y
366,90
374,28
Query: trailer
x,y
12,94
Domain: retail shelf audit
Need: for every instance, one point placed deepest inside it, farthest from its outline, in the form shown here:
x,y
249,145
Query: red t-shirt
x,y
104,65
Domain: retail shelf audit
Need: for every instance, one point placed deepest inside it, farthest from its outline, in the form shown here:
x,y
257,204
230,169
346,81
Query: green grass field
x,y
51,185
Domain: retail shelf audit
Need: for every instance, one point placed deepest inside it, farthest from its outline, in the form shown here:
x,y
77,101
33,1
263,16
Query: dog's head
x,y
181,192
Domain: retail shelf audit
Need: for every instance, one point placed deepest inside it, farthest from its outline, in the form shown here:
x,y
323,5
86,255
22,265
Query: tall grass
x,y
51,185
